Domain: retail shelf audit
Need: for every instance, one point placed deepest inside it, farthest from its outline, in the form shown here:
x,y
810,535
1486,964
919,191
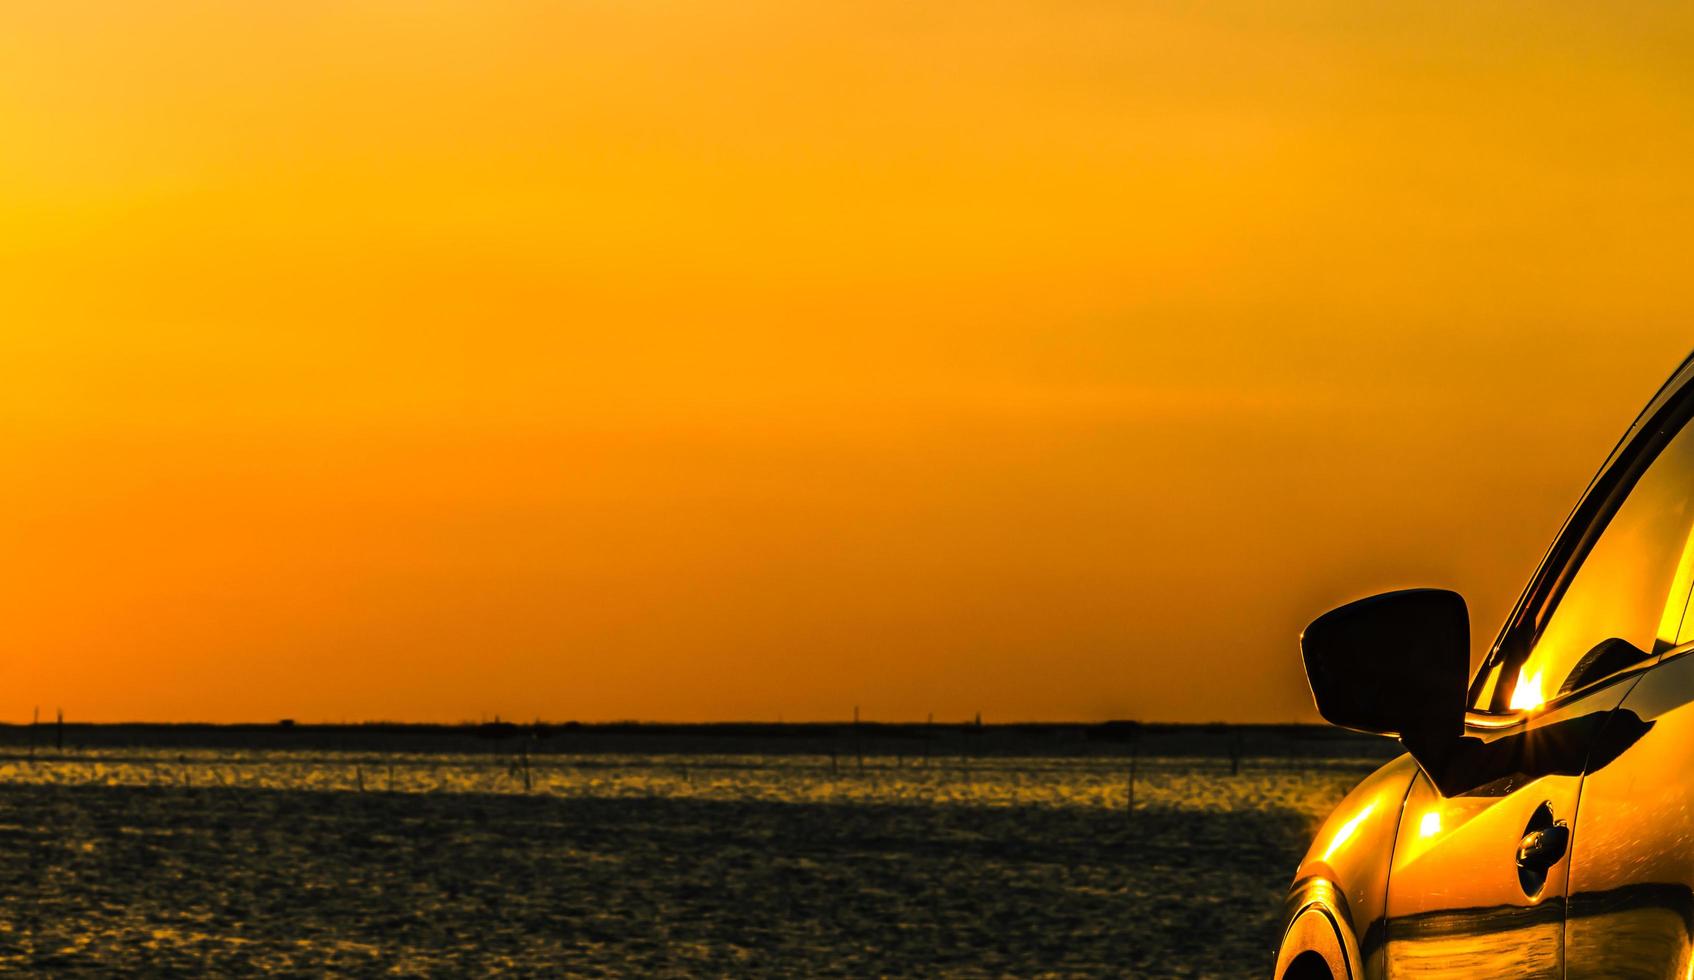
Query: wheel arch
x,y
1318,940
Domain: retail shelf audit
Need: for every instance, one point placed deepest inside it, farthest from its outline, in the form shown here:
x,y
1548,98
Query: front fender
x,y
1342,882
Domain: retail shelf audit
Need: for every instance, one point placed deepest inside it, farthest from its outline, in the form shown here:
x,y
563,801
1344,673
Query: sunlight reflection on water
x,y
1181,783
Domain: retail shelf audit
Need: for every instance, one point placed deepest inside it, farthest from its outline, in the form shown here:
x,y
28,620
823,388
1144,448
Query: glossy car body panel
x,y
1631,898
1459,904
1477,921
1345,873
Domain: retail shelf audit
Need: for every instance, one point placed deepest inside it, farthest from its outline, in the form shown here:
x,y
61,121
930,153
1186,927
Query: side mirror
x,y
1394,664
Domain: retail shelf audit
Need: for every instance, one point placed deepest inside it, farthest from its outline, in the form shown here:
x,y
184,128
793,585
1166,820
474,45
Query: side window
x,y
1626,600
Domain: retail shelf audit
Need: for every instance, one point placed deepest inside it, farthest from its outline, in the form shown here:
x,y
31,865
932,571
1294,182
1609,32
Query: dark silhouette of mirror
x,y
1393,664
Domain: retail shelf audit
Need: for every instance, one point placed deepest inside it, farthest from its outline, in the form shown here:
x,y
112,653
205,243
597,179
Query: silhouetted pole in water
x,y
1134,756
858,743
34,720
1235,755
59,732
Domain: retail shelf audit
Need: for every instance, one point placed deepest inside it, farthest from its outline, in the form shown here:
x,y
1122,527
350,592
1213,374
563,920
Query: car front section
x,y
1334,916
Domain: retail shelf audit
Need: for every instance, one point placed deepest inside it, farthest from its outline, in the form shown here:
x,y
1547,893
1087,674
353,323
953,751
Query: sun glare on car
x,y
1346,830
1527,692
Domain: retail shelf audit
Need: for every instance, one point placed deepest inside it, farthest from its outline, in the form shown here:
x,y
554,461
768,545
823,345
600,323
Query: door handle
x,y
1544,842
1541,849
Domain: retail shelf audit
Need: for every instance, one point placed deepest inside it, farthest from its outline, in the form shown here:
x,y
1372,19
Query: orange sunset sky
x,y
741,360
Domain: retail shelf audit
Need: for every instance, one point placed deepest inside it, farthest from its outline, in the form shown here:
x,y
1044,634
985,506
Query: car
x,y
1541,820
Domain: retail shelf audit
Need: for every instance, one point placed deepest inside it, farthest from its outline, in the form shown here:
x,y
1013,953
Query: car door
x,y
1631,884
1478,879
1460,903
1629,905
